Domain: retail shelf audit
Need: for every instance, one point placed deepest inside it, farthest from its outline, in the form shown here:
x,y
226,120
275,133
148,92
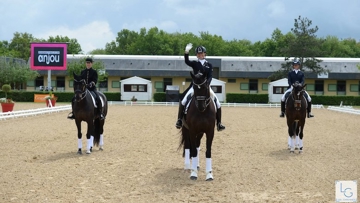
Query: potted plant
x,y
7,104
51,98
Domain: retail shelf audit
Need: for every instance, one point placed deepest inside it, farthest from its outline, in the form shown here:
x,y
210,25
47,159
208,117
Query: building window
x,y
265,86
253,85
231,80
188,79
135,88
341,87
217,89
279,90
60,83
167,81
115,84
244,86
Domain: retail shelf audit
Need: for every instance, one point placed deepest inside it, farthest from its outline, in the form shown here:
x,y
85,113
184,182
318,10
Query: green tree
x,y
15,72
76,66
305,46
20,45
73,46
98,51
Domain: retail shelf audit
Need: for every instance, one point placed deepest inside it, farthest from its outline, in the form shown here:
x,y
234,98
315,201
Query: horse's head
x,y
297,94
201,91
79,87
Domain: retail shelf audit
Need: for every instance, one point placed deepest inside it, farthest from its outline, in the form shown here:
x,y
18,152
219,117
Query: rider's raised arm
x,y
187,61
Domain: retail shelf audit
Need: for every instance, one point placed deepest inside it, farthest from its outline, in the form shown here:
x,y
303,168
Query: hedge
x,y
27,96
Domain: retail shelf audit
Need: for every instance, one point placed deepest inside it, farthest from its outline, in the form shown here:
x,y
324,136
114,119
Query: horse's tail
x,y
96,132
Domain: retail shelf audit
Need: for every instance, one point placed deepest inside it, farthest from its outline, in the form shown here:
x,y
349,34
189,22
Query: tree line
x,y
301,42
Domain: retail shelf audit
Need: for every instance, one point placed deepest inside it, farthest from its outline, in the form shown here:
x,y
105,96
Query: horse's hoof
x,y
79,152
209,176
300,152
90,149
198,168
193,177
292,151
88,152
101,148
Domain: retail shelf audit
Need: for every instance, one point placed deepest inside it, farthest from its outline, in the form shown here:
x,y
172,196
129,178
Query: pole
x,y
49,80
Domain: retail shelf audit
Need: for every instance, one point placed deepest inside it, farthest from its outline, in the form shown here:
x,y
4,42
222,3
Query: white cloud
x,y
90,36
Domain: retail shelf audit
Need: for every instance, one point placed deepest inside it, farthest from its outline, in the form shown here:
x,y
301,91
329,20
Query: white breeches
x,y
212,95
289,90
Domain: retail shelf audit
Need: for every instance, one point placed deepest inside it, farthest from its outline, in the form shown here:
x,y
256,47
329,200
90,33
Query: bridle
x,y
83,92
297,100
205,98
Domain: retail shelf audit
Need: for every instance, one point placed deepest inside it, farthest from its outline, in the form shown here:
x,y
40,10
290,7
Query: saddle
x,y
93,96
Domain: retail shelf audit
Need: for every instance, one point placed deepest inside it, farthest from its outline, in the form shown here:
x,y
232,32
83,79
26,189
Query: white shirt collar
x,y
296,71
202,61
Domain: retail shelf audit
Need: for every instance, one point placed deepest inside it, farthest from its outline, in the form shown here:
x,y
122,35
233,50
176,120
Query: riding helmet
x,y
296,61
89,59
200,49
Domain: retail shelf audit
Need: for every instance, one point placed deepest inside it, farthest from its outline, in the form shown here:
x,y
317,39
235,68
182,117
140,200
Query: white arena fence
x,y
275,105
48,110
344,109
33,112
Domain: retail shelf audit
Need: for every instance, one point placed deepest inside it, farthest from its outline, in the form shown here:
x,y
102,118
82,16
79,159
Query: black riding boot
x,y
99,107
309,110
219,126
282,114
71,114
179,124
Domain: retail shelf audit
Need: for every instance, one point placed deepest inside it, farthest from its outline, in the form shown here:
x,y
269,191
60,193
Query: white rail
x,y
33,112
344,109
137,103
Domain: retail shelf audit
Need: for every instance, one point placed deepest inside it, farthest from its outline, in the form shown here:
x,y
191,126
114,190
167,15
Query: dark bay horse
x,y
200,119
84,110
295,115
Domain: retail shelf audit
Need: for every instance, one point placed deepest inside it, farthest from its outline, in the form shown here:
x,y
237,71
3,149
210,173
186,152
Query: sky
x,y
96,22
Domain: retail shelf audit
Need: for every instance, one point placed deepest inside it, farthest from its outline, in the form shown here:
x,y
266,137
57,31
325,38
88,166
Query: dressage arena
x,y
141,163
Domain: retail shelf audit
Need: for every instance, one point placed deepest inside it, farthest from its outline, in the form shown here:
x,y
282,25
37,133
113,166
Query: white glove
x,y
188,47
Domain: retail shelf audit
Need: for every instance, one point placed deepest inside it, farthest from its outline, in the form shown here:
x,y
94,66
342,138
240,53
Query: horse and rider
x,y
91,77
296,75
201,65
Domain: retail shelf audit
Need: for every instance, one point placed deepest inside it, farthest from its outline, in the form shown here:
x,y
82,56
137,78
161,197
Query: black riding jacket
x,y
90,75
293,77
205,69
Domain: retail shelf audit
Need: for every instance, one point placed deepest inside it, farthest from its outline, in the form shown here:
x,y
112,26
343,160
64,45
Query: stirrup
x,y
178,124
282,114
71,116
310,115
102,117
220,127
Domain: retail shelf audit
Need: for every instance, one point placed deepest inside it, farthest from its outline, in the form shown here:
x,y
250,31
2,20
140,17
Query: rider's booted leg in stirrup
x,y
282,114
178,124
219,126
71,114
309,110
99,107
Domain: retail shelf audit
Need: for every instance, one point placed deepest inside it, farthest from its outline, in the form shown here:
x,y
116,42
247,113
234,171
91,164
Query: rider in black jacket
x,y
296,75
90,76
204,67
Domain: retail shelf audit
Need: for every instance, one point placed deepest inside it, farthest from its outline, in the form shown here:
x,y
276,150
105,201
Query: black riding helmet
x,y
200,49
296,61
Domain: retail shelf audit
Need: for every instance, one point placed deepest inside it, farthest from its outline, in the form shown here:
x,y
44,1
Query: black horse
x,y
84,110
296,114
200,119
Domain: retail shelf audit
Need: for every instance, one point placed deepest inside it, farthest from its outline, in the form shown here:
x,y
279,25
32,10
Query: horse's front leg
x,y
78,125
89,137
194,156
209,140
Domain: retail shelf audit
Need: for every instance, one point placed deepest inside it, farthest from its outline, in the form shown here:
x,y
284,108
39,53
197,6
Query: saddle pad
x,y
93,99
